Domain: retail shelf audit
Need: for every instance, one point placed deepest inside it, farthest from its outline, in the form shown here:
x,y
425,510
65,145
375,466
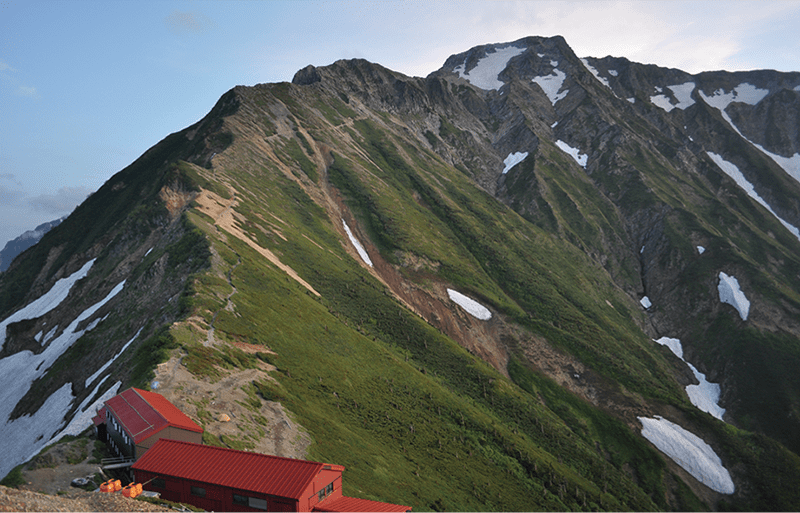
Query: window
x,y
257,503
252,502
199,492
321,494
159,483
329,489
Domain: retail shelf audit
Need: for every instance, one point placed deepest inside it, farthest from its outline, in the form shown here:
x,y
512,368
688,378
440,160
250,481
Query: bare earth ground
x,y
74,500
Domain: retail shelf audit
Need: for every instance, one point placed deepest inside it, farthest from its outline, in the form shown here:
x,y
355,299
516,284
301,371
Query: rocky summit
x,y
527,281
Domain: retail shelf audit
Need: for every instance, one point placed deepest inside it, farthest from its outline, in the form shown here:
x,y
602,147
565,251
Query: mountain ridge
x,y
215,231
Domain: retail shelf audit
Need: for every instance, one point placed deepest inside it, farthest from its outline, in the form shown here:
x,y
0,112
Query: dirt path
x,y
265,428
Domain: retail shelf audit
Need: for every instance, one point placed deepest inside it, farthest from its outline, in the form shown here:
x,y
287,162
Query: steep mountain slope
x,y
453,284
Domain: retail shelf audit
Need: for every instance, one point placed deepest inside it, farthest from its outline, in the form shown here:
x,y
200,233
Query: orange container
x,y
104,487
127,491
117,485
138,489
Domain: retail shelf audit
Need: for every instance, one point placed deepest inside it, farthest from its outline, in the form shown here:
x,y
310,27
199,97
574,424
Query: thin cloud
x,y
62,202
181,23
27,91
5,67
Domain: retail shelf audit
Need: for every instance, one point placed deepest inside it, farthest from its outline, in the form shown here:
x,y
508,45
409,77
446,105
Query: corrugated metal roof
x,y
144,414
351,504
248,471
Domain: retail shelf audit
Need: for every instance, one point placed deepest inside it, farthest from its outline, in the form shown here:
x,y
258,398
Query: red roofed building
x,y
134,420
220,479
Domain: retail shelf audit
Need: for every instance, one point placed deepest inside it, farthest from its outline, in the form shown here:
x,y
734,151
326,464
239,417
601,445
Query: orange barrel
x,y
138,489
104,487
117,485
127,491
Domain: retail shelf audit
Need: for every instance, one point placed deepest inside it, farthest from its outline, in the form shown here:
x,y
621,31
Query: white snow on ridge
x,y
513,159
551,84
751,95
472,307
730,293
682,92
689,451
484,74
733,171
49,300
575,153
705,396
594,72
17,373
83,415
359,248
743,93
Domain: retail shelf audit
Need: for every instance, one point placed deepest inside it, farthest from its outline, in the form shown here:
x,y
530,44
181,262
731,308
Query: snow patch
x,y
581,159
596,74
701,250
645,301
359,248
730,293
554,124
613,72
551,85
472,307
48,301
513,159
733,171
631,100
689,451
682,92
704,396
485,73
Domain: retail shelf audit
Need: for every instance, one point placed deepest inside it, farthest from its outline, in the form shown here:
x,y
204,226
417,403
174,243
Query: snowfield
x,y
682,92
596,74
575,153
484,74
471,306
730,293
359,248
551,85
689,451
17,374
513,159
51,299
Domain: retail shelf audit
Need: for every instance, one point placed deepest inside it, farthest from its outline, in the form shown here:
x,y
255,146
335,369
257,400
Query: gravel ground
x,y
72,500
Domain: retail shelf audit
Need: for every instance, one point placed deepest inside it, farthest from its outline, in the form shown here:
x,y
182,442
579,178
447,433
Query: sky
x,y
86,87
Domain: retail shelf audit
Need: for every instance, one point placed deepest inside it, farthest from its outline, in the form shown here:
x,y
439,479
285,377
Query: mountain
x,y
526,281
29,238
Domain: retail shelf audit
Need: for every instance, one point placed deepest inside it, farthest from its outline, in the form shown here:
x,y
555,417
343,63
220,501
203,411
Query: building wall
x,y
327,485
170,433
119,439
217,498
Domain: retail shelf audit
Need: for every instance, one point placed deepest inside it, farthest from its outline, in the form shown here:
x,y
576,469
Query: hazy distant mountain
x,y
526,281
29,238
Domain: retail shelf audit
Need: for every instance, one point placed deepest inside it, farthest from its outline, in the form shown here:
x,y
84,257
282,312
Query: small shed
x,y
221,479
134,420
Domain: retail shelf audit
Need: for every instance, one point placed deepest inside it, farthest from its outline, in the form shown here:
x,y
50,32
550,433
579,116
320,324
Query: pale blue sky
x,y
86,87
